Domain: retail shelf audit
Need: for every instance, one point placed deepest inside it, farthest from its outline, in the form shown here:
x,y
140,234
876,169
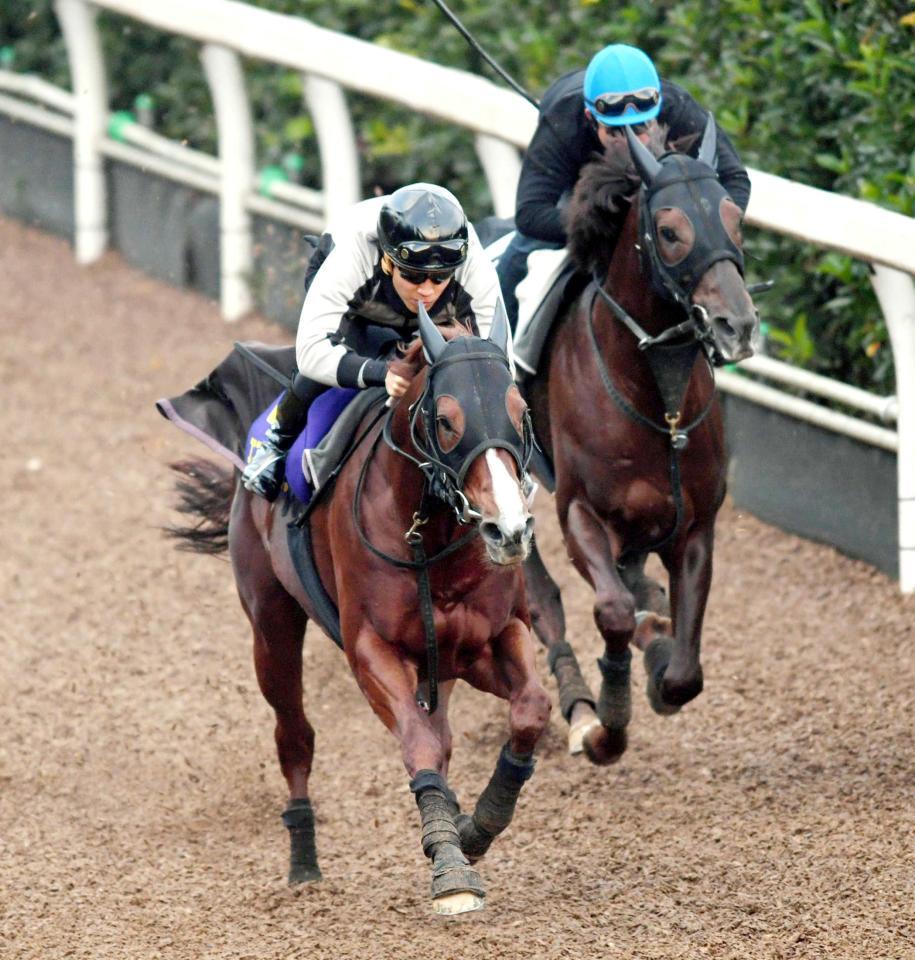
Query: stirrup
x,y
260,475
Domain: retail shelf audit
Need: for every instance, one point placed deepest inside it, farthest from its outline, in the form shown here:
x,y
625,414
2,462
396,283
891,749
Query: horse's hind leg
x,y
576,702
278,624
278,663
648,594
592,552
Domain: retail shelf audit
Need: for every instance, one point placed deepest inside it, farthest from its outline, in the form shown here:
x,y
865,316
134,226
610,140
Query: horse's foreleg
x,y
389,684
594,555
512,674
576,702
673,666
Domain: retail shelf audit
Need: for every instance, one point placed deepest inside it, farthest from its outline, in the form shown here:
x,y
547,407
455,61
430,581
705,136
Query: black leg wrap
x,y
428,779
496,806
425,779
451,872
572,687
657,657
303,855
614,706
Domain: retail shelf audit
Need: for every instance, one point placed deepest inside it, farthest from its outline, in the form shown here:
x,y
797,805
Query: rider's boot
x,y
264,472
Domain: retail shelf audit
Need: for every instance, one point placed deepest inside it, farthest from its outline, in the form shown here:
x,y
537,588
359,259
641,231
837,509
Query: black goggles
x,y
615,104
416,277
433,255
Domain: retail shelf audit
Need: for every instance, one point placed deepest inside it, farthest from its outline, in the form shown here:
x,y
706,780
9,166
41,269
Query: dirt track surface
x,y
139,790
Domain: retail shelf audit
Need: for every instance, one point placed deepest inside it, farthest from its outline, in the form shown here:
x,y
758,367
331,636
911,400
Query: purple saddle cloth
x,y
322,415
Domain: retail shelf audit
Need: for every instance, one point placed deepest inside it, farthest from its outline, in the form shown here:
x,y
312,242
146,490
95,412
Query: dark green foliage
x,y
818,91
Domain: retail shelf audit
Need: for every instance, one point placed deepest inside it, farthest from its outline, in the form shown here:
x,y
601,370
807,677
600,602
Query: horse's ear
x,y
647,166
498,332
433,342
708,149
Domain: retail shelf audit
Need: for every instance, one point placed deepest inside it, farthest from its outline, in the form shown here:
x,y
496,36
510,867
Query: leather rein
x,y
671,385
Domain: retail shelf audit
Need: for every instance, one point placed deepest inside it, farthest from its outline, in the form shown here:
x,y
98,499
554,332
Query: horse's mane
x,y
602,195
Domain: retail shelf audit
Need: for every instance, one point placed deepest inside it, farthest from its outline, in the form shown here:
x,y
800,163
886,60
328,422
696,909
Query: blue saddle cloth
x,y
322,415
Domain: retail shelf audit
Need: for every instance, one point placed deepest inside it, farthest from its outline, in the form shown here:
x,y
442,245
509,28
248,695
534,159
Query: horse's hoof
x,y
661,707
604,745
302,874
657,657
457,878
453,904
649,626
578,732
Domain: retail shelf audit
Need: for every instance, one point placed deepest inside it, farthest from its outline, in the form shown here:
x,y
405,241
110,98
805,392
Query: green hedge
x,y
820,92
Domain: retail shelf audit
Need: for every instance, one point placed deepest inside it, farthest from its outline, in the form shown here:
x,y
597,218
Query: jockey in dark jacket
x,y
583,114
364,284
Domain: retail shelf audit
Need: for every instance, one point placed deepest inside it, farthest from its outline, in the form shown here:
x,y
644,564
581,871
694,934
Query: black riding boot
x,y
263,474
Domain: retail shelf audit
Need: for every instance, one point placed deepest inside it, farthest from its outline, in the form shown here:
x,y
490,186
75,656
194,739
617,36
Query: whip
x,y
468,36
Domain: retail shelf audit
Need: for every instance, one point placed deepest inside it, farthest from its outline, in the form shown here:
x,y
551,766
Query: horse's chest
x,y
463,626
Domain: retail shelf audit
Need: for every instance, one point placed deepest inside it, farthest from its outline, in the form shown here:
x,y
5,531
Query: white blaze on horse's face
x,y
494,488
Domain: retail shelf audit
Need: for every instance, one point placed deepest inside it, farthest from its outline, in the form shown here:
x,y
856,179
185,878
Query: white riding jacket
x,y
347,285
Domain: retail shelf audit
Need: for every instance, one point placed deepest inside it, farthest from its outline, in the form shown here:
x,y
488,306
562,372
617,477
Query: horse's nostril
x,y
491,532
724,327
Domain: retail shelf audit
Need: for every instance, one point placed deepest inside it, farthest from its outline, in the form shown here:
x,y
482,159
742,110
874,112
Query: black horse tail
x,y
205,491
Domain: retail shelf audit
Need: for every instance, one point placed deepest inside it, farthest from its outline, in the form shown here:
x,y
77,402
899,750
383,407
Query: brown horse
x,y
624,405
420,545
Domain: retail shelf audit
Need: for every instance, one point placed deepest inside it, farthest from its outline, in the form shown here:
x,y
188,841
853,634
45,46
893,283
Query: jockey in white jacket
x,y
366,279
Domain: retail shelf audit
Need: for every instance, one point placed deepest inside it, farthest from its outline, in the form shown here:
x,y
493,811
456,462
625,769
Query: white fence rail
x,y
502,123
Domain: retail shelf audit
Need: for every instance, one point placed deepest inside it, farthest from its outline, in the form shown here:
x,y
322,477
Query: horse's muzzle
x,y
507,544
734,339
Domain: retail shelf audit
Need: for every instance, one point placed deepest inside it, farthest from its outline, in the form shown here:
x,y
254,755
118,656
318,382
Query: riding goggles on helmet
x,y
432,254
616,104
416,277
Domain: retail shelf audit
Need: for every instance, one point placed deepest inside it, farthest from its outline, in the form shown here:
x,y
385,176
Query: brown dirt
x,y
140,795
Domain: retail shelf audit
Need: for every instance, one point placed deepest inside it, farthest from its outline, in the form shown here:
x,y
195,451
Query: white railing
x,y
502,123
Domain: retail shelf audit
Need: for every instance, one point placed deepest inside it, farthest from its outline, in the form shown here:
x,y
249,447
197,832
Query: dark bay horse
x,y
420,545
624,405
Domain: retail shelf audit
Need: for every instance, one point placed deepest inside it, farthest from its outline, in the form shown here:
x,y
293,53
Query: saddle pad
x,y
541,295
322,414
219,410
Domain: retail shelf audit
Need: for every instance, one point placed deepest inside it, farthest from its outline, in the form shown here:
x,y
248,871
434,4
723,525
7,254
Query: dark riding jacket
x,y
565,140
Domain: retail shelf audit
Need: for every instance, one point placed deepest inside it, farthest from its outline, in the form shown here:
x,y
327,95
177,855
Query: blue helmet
x,y
622,86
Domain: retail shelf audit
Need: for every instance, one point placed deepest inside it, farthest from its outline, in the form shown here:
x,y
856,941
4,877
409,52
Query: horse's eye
x,y
668,234
445,424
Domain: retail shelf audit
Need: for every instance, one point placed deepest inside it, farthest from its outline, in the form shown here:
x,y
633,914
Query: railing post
x,y
237,163
896,292
501,164
87,77
336,144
